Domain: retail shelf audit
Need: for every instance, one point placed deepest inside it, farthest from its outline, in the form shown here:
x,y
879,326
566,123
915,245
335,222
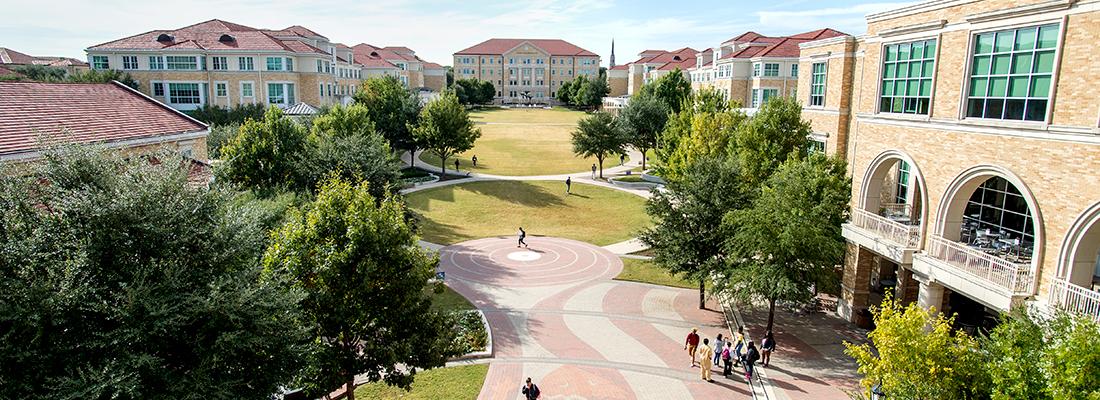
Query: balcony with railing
x,y
894,230
890,234
1075,299
986,276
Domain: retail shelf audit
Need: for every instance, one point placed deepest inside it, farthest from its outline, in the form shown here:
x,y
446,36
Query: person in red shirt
x,y
692,343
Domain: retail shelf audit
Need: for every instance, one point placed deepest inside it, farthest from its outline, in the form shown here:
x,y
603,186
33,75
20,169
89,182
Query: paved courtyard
x,y
558,317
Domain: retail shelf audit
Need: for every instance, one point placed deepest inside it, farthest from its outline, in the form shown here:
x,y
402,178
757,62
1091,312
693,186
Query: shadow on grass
x,y
515,192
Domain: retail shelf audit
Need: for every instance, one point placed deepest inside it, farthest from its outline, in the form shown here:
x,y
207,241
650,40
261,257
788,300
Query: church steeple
x,y
612,53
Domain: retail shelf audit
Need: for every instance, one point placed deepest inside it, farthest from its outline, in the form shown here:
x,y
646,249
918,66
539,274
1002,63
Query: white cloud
x,y
850,20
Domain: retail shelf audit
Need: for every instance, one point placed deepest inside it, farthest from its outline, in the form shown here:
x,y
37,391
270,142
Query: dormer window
x,y
227,39
165,38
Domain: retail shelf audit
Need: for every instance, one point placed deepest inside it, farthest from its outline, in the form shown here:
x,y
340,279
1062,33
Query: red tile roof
x,y
303,31
620,67
205,35
556,47
5,71
432,65
780,47
9,56
82,113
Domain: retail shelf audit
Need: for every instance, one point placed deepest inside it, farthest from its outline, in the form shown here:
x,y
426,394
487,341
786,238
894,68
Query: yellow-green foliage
x,y
916,355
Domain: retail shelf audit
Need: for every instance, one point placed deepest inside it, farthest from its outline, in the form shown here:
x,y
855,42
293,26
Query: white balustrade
x,y
1075,299
1016,278
907,236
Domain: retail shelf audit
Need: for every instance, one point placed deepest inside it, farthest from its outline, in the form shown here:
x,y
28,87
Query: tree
x,y
445,128
120,280
364,276
915,354
643,120
706,127
487,92
392,107
565,92
42,73
343,142
672,88
267,155
1030,357
773,134
789,240
598,136
474,91
687,230
450,71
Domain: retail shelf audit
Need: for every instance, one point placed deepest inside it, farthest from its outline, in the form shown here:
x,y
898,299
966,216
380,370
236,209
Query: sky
x,y
437,29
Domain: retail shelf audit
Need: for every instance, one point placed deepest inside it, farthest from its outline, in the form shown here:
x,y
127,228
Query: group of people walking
x,y
730,352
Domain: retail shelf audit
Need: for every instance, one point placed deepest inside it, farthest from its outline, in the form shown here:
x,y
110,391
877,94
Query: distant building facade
x,y
525,70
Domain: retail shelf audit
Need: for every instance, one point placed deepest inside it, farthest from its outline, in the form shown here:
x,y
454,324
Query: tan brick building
x,y
525,70
627,79
226,64
752,68
973,139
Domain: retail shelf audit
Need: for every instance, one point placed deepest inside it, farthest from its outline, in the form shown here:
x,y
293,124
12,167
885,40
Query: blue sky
x,y
436,29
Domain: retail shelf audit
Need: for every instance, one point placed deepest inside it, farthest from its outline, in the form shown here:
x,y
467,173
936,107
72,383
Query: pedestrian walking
x,y
474,160
456,165
705,355
622,159
531,390
738,344
522,235
719,344
767,346
727,359
568,184
593,170
691,343
751,355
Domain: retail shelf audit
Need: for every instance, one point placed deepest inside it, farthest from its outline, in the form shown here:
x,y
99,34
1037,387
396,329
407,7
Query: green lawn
x,y
449,300
523,142
475,210
461,382
645,271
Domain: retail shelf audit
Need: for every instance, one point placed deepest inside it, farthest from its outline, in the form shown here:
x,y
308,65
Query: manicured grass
x,y
645,271
449,300
629,178
461,382
523,142
475,210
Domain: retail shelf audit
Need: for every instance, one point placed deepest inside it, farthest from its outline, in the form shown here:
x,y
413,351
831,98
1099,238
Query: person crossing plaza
x,y
705,355
568,184
593,171
456,165
474,160
691,344
531,390
719,344
522,235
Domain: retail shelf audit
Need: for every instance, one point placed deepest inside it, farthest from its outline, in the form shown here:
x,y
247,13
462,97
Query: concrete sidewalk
x,y
809,361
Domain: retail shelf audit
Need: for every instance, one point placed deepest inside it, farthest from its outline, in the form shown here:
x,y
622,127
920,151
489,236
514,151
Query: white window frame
x,y
129,62
224,64
824,84
194,59
279,62
776,72
184,106
289,96
100,62
756,69
251,64
224,85
1055,72
156,63
252,89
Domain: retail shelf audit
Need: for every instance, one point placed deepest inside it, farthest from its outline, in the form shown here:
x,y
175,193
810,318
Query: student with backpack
x,y
530,390
751,355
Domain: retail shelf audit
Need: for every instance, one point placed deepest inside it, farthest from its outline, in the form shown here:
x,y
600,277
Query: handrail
x,y
907,236
1016,278
1076,299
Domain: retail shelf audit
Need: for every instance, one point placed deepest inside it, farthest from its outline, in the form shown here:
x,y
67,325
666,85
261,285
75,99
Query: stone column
x,y
930,295
855,285
908,287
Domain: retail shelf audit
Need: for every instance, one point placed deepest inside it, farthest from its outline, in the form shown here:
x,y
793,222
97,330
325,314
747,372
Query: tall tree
x,y
588,93
565,92
343,142
445,128
392,107
776,132
687,232
267,155
644,119
364,276
672,88
705,127
120,280
789,240
598,136
915,354
1032,357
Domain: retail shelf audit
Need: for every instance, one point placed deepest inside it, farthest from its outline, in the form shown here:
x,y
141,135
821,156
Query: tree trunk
x,y
443,166
702,294
600,159
643,158
771,313
412,159
350,390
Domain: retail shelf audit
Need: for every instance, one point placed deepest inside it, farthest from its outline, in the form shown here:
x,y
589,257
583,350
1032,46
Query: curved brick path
x,y
558,317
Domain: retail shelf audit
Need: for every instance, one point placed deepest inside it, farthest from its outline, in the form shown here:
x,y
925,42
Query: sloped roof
x,y
303,31
82,113
432,65
779,47
206,35
620,67
9,56
556,47
300,109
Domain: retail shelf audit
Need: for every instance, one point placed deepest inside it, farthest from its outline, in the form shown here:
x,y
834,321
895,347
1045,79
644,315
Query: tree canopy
x,y
445,128
672,88
772,134
474,91
120,280
643,120
705,129
343,143
598,136
364,276
392,107
267,155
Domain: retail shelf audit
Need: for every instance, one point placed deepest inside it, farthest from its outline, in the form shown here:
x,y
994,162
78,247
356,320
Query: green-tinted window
x,y
1011,73
907,78
817,85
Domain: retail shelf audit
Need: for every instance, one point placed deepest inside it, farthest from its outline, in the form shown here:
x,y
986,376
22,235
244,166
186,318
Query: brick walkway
x,y
558,317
